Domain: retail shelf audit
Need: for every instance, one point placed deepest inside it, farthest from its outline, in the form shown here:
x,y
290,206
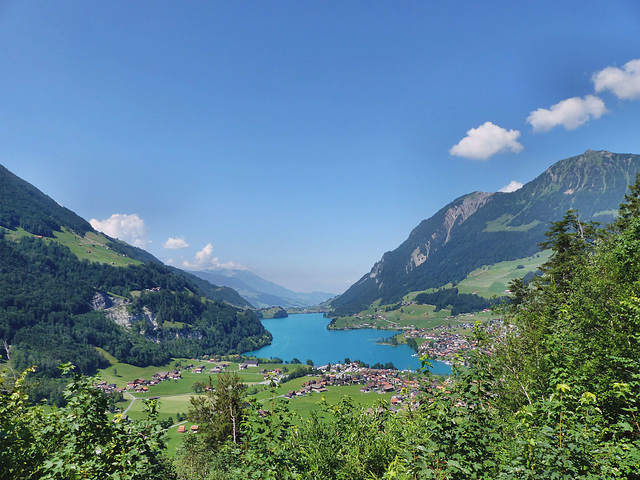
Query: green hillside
x,y
71,294
47,317
487,228
26,211
493,280
488,281
23,205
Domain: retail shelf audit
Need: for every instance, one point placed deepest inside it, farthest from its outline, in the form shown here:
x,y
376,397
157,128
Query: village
x,y
442,342
401,385
405,390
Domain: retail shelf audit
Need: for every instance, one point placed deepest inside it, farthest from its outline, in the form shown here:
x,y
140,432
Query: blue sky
x,y
302,140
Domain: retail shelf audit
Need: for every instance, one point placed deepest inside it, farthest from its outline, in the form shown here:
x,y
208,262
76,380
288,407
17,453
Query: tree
x,y
630,208
78,440
571,241
197,387
309,362
220,412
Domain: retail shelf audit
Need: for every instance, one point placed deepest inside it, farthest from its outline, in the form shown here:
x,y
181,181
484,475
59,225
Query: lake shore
x,y
306,337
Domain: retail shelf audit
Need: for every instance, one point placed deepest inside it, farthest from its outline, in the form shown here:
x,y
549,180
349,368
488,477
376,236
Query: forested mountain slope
x,y
62,295
24,207
484,228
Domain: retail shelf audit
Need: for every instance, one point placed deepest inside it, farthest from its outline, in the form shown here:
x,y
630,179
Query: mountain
x,y
484,228
23,206
261,292
67,292
215,291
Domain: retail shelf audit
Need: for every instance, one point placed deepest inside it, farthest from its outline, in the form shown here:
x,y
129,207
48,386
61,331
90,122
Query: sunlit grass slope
x,y
92,247
492,280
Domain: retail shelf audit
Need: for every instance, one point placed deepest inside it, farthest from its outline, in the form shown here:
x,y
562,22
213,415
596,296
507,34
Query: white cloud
x,y
511,187
175,243
204,260
130,228
570,113
486,140
624,83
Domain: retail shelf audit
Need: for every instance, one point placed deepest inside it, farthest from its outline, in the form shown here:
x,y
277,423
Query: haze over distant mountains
x,y
260,292
484,228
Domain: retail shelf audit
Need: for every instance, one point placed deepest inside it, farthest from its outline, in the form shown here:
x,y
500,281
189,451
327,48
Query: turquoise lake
x,y
305,336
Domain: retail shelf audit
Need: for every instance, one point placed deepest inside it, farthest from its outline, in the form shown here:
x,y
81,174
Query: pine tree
x,y
630,208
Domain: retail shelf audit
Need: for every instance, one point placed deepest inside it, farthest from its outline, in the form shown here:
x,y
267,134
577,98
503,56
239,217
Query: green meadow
x,y
174,395
92,246
410,316
493,280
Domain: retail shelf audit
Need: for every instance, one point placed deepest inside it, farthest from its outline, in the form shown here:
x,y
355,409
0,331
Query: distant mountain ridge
x,y
260,292
484,228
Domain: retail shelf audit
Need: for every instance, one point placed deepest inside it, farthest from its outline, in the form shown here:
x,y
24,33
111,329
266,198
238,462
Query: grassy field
x,y
91,247
174,395
170,406
411,316
306,404
121,373
492,280
500,225
419,316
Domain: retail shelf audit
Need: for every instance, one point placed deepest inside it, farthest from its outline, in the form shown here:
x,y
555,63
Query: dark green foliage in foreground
x,y
78,440
630,208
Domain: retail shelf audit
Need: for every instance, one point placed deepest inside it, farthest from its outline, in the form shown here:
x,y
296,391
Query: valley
x,y
320,240
441,295
173,395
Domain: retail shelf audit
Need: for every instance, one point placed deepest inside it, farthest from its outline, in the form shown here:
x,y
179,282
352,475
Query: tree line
x,y
457,302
